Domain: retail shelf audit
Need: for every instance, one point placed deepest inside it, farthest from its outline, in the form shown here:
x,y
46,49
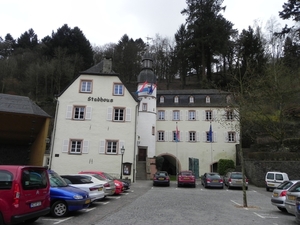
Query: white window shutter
x,y
166,115
69,112
88,115
237,136
121,144
186,136
186,115
65,147
128,114
203,115
181,136
109,113
181,115
215,137
171,114
165,136
214,114
225,136
198,136
85,147
197,115
204,136
102,147
170,136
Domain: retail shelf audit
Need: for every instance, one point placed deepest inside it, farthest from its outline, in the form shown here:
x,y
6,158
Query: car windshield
x,y
56,180
236,176
161,174
186,173
284,185
216,176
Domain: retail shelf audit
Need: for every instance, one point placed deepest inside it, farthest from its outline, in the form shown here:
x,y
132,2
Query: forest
x,y
260,68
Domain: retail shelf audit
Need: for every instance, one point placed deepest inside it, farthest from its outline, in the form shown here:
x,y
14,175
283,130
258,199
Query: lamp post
x,y
122,153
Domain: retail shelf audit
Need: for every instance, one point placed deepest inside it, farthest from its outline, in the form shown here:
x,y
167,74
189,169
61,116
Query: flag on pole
x,y
143,87
177,133
210,133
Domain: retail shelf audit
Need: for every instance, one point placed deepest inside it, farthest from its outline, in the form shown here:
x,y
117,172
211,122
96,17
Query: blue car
x,y
65,198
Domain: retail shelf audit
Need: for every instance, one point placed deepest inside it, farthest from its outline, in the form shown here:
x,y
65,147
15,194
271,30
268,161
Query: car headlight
x,y
77,197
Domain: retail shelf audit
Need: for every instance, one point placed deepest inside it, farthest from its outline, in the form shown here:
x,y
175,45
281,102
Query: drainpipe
x,y
135,143
53,133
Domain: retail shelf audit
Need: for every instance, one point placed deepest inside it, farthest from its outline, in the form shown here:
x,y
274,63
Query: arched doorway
x,y
170,163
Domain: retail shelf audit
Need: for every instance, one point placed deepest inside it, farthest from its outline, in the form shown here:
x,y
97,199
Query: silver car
x,y
291,196
235,179
279,194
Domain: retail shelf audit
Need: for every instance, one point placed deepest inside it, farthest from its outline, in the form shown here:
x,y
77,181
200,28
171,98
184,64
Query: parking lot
x,y
145,204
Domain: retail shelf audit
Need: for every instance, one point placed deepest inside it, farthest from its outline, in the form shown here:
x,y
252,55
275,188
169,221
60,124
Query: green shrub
x,y
225,165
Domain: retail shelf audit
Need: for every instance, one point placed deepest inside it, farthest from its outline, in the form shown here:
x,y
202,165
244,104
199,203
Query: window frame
x,y
176,115
161,115
120,114
111,144
176,99
161,136
79,116
208,115
191,99
144,107
229,115
231,136
207,99
84,88
192,136
189,115
116,88
161,99
76,142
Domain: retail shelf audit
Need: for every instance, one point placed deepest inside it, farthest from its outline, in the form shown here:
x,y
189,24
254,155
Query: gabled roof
x,y
217,98
21,105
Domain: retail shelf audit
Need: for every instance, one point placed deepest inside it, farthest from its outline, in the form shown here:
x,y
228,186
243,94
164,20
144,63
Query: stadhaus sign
x,y
99,99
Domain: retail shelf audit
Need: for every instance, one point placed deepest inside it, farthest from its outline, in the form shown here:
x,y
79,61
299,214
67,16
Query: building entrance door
x,y
142,154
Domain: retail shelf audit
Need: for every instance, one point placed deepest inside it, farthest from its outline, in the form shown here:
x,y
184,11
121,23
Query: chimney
x,y
107,65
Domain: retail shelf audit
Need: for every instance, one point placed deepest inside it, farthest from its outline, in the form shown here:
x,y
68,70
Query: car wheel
x,y
246,188
267,189
205,186
59,209
194,185
1,219
282,209
228,187
178,185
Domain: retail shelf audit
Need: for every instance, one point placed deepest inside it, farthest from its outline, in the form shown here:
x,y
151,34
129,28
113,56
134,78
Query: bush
x,y
225,165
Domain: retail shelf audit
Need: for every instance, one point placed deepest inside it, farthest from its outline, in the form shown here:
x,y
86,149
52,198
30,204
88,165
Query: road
x,y
144,204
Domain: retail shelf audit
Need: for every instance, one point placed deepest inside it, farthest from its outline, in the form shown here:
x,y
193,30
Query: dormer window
x,y
228,99
191,99
176,99
207,100
161,99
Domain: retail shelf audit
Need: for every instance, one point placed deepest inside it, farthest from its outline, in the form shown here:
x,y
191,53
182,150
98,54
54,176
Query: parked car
x,y
24,193
297,210
279,194
96,191
212,180
291,196
109,185
274,178
235,179
161,178
186,178
65,198
118,184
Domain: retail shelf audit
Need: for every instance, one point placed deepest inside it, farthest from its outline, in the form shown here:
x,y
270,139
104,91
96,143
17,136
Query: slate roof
x,y
20,104
217,98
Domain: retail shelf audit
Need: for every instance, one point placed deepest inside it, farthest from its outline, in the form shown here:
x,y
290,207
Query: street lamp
x,y
122,153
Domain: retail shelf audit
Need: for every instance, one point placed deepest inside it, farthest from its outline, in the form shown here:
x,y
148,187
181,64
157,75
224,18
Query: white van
x,y
274,178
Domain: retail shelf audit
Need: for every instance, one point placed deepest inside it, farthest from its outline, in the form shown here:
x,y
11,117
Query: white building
x,y
97,116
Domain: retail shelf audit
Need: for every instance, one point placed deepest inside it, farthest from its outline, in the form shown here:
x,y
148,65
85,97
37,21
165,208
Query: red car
x,y
186,178
118,184
24,193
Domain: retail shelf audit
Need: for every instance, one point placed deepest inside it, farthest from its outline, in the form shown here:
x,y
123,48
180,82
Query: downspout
x,y
53,133
135,142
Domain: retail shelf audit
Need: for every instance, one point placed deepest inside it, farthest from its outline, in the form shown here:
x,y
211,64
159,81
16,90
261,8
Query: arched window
x,y
207,100
162,99
191,99
176,99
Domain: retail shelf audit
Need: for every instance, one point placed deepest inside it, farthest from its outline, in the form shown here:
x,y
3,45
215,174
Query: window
x,y
33,179
208,115
86,86
111,147
118,114
79,112
161,99
153,130
176,115
228,99
118,89
161,136
191,99
144,107
231,136
161,115
208,138
76,147
207,99
176,99
192,136
192,115
229,115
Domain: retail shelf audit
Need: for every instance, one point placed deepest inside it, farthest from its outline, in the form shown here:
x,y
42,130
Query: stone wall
x,y
256,170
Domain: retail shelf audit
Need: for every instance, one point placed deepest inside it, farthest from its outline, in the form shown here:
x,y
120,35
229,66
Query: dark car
x,y
235,179
212,180
186,178
161,178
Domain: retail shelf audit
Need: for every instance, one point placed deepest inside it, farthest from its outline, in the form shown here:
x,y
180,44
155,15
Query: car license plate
x,y
161,178
35,204
271,185
100,189
186,178
87,201
275,194
215,181
238,181
291,197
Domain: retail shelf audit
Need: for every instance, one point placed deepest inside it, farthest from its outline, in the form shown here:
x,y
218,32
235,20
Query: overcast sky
x,y
105,21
